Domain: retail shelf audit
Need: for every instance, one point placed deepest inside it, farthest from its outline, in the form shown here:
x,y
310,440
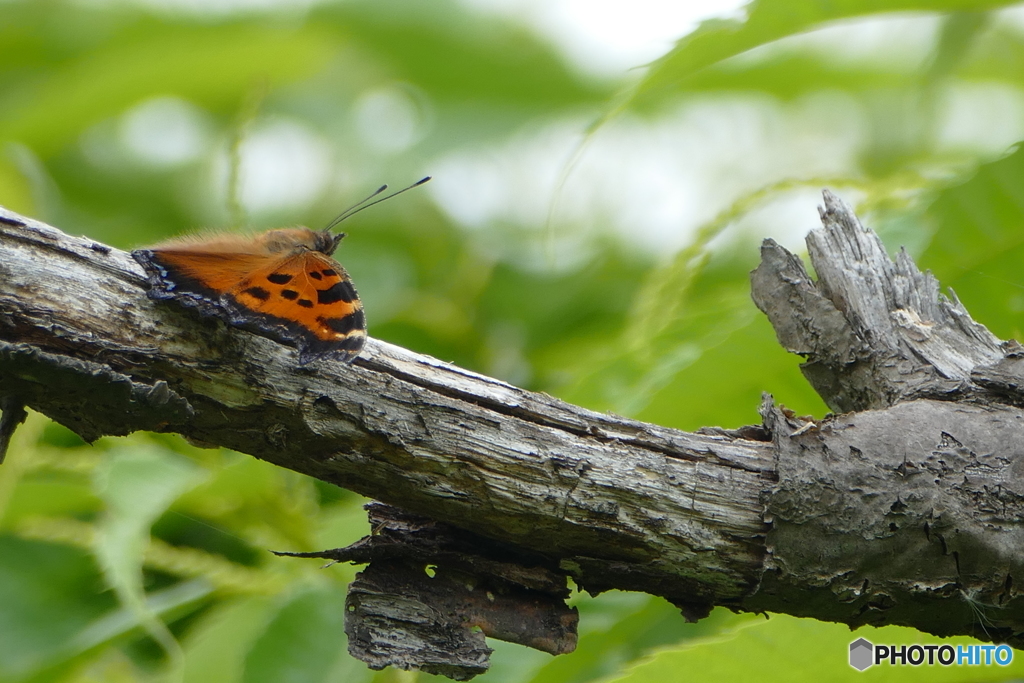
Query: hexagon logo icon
x,y
861,654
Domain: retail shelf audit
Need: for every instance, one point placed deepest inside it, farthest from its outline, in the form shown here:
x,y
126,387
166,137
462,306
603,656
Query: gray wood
x,y
874,331
907,512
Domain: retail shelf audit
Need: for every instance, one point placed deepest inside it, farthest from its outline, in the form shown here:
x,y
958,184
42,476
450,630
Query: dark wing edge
x,y
346,350
194,295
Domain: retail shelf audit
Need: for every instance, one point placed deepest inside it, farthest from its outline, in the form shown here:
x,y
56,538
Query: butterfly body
x,y
282,284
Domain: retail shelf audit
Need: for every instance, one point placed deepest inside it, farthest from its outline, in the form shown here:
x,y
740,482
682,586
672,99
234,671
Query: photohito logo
x,y
864,654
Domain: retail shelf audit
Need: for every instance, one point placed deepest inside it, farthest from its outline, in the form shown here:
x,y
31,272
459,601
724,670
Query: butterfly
x,y
282,284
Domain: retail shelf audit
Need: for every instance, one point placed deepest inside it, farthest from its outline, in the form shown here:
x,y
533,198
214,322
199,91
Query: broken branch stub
x,y
910,511
874,331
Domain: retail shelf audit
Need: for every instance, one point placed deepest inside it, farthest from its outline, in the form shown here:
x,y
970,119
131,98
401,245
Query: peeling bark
x,y
904,513
911,513
429,582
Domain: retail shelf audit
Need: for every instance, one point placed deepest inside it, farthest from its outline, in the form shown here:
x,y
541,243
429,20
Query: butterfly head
x,y
327,242
292,240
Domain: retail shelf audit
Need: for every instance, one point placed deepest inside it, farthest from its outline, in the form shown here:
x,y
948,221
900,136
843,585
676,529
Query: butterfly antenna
x,y
366,203
352,209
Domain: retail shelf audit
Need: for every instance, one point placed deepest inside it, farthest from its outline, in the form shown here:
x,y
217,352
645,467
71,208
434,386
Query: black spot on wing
x,y
257,293
329,272
305,303
346,324
339,291
290,294
280,278
316,275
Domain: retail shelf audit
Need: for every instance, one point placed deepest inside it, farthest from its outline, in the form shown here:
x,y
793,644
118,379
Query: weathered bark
x,y
875,332
911,514
906,513
399,615
614,502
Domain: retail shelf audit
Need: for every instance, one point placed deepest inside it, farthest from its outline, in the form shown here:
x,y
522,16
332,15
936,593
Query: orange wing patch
x,y
304,299
314,295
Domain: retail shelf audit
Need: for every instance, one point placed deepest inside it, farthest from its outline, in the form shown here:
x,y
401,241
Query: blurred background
x,y
604,172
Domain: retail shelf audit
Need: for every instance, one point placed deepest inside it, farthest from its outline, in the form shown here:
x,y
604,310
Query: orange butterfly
x,y
282,284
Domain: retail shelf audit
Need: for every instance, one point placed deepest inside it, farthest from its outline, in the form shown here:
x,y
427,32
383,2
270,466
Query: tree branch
x,y
903,514
874,332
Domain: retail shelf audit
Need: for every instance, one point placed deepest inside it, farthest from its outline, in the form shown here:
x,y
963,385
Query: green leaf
x,y
655,624
978,244
216,647
137,485
50,496
55,613
305,643
213,65
49,593
461,57
168,604
789,76
767,21
998,58
784,648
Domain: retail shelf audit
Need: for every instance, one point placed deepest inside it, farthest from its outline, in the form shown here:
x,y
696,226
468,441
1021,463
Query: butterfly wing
x,y
174,272
312,297
304,299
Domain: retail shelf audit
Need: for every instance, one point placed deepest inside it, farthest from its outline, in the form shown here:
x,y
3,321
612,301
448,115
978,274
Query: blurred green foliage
x,y
146,559
767,641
